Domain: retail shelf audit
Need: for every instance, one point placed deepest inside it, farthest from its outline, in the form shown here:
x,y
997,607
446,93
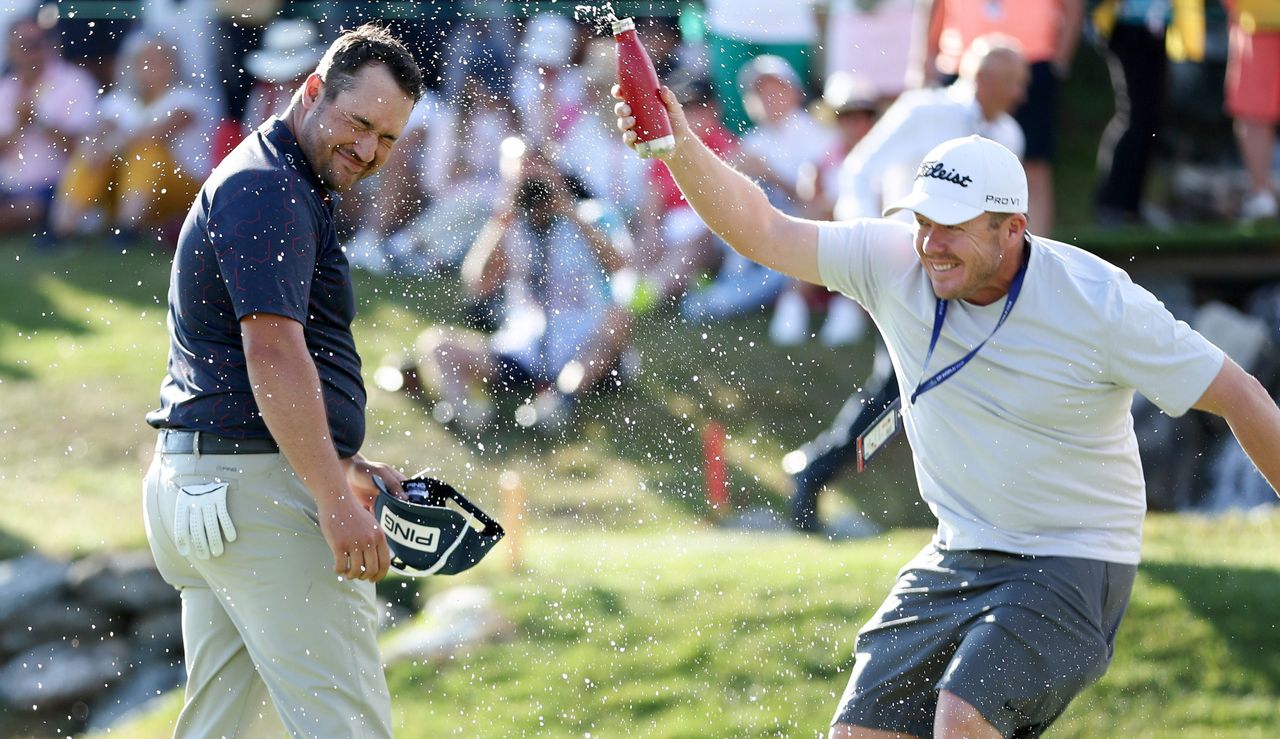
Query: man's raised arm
x,y
729,203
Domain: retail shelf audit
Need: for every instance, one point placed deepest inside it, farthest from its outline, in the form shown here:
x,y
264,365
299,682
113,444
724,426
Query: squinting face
x,y
963,261
349,137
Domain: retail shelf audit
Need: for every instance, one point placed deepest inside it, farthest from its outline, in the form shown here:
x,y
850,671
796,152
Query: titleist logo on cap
x,y
939,171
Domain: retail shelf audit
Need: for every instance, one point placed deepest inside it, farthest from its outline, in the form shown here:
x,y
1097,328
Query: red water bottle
x,y
639,82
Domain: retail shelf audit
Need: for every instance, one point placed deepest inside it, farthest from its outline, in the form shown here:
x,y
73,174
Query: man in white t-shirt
x,y
1017,360
879,169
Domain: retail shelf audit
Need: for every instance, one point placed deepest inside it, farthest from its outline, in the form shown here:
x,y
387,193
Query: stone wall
x,y
82,643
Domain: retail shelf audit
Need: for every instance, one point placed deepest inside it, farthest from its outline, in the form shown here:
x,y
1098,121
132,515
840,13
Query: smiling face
x,y
971,261
348,136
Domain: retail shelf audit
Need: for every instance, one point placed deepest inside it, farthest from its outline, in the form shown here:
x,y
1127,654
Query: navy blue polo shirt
x,y
260,238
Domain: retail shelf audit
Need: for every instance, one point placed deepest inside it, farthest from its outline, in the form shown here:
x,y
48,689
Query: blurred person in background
x,y
423,27
1253,98
240,25
785,140
992,82
49,104
290,50
1049,33
547,256
480,47
144,164
11,12
549,92
1137,39
869,38
741,30
851,103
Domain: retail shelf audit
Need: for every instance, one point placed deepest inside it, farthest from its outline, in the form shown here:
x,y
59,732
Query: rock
x,y
26,581
56,619
391,615
58,673
850,526
143,685
158,635
456,618
122,582
764,520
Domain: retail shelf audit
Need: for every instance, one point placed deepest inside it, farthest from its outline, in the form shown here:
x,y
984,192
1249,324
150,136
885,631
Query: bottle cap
x,y
656,147
623,24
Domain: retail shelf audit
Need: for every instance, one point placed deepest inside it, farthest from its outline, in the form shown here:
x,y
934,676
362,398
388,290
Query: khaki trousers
x,y
274,640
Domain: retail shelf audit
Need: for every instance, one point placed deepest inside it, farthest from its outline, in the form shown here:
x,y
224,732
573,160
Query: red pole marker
x,y
713,467
639,82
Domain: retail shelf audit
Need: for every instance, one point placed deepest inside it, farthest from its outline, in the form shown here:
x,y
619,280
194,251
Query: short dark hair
x,y
997,220
368,44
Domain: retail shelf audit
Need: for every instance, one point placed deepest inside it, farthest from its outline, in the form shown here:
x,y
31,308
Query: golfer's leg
x,y
904,649
224,695
312,635
956,719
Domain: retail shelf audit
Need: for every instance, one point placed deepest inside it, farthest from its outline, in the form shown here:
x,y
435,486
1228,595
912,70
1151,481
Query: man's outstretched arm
x,y
731,204
1251,413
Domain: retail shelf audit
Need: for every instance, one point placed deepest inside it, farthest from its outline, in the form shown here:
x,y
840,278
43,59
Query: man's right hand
x,y
627,122
359,547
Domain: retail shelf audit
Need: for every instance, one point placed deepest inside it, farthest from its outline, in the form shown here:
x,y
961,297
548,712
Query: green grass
x,y
633,614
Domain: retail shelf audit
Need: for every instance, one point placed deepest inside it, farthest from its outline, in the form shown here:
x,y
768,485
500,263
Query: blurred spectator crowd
x,y
511,172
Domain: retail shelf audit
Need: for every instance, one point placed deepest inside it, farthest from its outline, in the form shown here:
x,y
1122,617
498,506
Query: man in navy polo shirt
x,y
258,493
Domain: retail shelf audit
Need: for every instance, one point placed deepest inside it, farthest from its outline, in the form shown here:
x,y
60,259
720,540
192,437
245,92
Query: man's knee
x,y
956,717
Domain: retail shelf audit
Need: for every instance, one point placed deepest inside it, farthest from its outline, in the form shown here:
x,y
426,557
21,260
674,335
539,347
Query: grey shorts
x,y
1017,637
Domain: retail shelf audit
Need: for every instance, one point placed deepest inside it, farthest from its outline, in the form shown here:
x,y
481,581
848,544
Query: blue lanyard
x,y
940,315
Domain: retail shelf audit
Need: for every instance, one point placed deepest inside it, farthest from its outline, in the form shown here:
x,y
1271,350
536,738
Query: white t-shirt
x,y
1029,448
882,166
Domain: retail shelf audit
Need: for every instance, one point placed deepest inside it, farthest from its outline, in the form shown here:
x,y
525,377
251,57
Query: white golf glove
x,y
201,520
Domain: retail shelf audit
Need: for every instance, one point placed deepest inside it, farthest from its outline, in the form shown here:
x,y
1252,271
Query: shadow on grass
x,y
122,276
1239,603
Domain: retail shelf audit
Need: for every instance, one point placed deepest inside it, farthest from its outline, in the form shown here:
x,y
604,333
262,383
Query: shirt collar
x,y
282,137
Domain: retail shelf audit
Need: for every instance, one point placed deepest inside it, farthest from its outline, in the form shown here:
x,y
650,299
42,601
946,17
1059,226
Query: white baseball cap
x,y
290,48
963,178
